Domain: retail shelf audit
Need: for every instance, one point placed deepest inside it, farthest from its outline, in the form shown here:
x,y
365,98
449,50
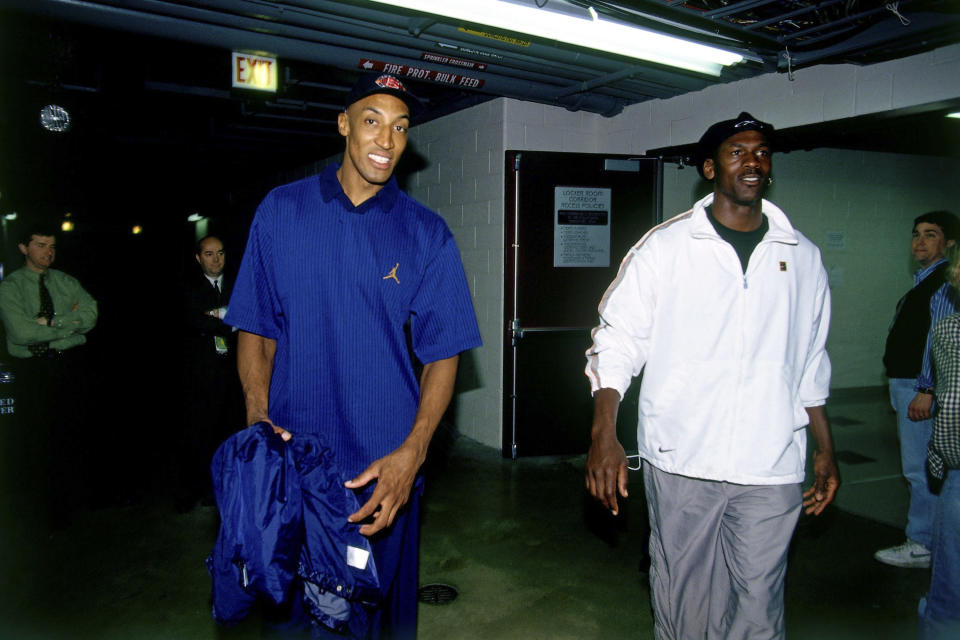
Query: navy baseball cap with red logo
x,y
371,84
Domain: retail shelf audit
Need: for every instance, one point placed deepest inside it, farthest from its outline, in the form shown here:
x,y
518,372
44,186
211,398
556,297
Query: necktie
x,y
46,311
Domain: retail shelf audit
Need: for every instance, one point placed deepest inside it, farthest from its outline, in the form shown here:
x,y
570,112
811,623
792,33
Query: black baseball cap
x,y
370,84
720,131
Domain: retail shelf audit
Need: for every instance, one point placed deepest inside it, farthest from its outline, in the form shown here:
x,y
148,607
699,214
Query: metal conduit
x,y
875,36
320,53
792,14
833,26
737,7
166,19
573,65
683,22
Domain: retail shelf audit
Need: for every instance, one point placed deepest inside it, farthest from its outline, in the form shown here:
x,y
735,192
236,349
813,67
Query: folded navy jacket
x,y
284,532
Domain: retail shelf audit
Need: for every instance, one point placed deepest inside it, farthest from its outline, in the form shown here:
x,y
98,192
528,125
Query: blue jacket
x,y
283,511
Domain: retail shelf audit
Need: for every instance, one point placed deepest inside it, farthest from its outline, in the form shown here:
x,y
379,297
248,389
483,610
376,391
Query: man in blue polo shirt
x,y
342,277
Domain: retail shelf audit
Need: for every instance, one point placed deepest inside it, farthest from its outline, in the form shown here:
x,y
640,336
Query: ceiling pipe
x,y
380,27
342,57
657,14
350,22
928,23
822,30
759,24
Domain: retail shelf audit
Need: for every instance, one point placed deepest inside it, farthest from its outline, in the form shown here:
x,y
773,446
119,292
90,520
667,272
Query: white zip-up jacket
x,y
730,360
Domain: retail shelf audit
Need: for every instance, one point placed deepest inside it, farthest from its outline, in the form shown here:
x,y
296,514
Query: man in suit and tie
x,y
214,400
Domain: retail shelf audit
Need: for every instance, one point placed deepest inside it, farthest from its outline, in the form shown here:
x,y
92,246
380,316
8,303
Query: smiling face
x,y
740,168
929,244
39,254
375,129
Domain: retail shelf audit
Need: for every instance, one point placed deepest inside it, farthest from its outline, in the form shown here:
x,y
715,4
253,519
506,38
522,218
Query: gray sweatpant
x,y
718,556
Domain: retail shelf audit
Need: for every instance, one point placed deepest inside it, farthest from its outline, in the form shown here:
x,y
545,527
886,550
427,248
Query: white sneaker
x,y
910,554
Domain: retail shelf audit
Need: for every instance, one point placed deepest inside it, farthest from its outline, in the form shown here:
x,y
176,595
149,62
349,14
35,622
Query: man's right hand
x,y
607,461
286,435
607,472
920,407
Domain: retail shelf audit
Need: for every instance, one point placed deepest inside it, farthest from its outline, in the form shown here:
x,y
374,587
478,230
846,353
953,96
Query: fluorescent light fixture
x,y
590,31
955,114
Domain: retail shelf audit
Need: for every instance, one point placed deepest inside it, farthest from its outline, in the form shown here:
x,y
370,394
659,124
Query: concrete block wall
x,y
463,181
868,199
531,126
858,207
816,94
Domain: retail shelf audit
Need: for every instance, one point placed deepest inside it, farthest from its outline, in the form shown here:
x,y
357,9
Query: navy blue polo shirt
x,y
335,285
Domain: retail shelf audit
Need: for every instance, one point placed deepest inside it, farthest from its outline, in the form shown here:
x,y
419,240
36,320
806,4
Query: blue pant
x,y
914,437
940,610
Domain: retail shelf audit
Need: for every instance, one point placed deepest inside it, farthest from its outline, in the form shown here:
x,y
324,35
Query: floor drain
x,y
437,594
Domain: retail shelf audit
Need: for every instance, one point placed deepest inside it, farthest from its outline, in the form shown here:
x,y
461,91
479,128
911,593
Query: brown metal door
x,y
571,218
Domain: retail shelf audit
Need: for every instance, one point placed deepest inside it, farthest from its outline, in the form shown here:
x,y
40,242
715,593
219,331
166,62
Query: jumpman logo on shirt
x,y
393,273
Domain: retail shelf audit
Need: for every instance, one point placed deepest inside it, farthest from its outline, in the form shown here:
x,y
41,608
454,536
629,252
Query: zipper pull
x,y
744,282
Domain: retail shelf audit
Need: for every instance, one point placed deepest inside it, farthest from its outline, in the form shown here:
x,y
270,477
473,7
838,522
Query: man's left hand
x,y
825,484
394,474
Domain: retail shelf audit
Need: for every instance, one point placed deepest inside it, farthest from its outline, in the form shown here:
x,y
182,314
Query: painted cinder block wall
x,y
863,201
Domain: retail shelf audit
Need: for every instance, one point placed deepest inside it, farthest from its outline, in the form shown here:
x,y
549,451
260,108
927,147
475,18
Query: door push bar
x,y
517,332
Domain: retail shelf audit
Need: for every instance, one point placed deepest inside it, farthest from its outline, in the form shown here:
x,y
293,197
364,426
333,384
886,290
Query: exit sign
x,y
254,72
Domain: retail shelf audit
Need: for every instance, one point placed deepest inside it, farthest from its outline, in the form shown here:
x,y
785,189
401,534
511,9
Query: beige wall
x,y
868,200
858,207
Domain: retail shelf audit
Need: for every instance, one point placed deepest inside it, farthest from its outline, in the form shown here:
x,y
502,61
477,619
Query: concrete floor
x,y
529,553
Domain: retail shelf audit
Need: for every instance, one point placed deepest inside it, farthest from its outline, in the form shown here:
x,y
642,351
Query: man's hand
x,y
41,321
825,484
606,461
284,434
826,477
920,406
394,474
255,368
607,472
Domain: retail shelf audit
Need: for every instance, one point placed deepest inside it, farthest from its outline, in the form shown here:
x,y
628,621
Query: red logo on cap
x,y
389,82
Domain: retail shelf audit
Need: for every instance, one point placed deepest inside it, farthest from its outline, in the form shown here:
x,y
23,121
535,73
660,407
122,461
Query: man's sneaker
x,y
910,554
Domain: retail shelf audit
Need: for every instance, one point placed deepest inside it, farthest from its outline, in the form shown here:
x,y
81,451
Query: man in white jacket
x,y
725,309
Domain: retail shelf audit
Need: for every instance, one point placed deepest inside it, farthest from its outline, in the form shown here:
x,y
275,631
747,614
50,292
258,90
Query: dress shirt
x,y
943,451
941,306
20,304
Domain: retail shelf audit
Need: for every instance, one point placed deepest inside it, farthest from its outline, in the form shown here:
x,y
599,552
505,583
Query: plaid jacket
x,y
943,452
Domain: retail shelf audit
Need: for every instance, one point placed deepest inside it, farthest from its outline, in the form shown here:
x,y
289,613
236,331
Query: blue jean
x,y
940,610
914,437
